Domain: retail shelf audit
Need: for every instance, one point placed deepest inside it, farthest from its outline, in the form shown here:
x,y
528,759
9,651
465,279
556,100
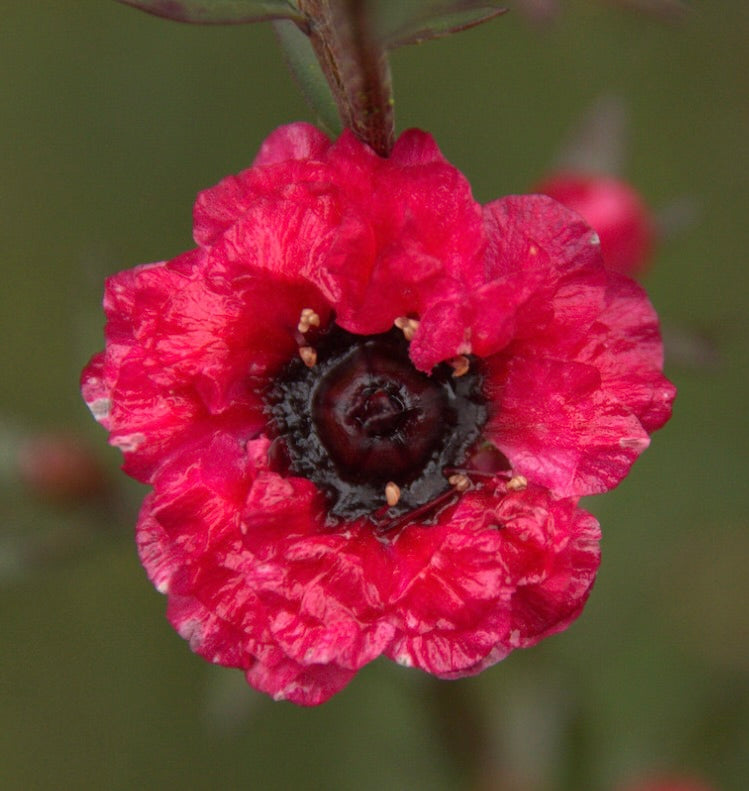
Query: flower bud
x,y
60,468
614,210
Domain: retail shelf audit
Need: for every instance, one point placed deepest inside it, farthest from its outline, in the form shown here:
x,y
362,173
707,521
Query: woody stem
x,y
355,66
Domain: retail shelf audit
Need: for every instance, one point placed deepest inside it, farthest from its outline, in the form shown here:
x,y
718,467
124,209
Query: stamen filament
x,y
441,500
454,471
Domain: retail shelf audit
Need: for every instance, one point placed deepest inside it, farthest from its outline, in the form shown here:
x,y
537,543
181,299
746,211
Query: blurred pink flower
x,y
60,467
614,210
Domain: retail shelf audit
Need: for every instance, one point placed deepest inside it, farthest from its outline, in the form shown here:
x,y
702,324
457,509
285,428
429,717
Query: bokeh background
x,y
110,122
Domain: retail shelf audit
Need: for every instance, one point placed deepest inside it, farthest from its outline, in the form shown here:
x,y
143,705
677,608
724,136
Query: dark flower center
x,y
377,416
362,417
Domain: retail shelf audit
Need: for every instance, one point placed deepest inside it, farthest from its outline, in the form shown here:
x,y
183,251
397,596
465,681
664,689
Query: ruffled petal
x,y
305,685
218,208
558,427
549,260
190,341
294,141
427,230
252,581
625,345
578,386
504,571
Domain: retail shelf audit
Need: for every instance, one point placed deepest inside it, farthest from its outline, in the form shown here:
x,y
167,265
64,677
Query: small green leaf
x,y
303,63
218,12
401,24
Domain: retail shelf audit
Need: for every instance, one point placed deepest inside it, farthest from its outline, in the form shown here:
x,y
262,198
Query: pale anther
x,y
407,326
308,318
308,355
392,493
460,482
460,365
517,483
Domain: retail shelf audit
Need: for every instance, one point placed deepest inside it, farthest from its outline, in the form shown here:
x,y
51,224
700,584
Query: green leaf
x,y
412,23
302,61
218,12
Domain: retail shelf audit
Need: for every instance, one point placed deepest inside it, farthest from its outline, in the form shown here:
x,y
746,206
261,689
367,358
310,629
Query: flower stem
x,y
355,65
461,728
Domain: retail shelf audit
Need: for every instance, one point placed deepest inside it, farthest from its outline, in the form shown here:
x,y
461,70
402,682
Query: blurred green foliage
x,y
111,122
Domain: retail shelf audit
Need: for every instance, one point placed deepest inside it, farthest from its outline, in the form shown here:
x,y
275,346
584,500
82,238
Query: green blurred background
x,y
111,121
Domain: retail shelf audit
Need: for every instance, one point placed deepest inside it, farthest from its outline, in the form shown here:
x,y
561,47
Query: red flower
x,y
614,210
359,402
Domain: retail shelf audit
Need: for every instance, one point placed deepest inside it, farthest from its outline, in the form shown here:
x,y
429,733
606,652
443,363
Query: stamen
x,y
460,364
308,318
407,326
392,493
465,472
441,500
308,355
517,483
461,482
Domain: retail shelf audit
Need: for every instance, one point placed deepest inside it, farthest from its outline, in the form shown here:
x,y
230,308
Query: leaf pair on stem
x,y
337,49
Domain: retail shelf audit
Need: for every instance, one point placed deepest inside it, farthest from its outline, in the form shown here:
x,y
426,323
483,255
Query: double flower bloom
x,y
367,407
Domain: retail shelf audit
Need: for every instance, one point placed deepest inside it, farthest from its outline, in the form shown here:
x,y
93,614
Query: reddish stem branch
x,y
355,66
